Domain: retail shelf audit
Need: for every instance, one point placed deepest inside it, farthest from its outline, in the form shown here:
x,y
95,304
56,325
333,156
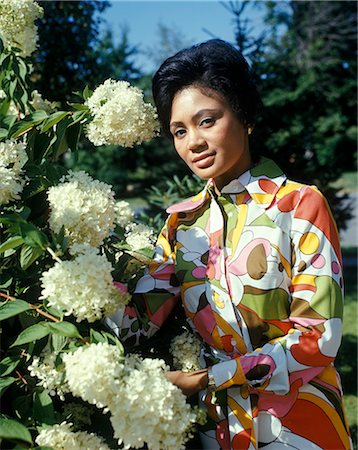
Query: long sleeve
x,y
313,340
155,296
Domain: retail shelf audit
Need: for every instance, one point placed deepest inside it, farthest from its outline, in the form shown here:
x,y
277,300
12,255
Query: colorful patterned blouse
x,y
259,273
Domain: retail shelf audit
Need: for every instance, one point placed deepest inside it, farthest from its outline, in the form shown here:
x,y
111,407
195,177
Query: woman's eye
x,y
207,121
179,133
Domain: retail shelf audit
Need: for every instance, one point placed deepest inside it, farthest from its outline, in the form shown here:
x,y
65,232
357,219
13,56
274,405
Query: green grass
x,y
346,361
347,182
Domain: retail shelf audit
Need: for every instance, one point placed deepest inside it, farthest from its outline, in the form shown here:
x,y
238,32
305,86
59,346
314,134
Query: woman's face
x,y
208,136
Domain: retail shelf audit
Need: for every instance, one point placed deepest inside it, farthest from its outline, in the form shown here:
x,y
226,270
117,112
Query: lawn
x,y
347,358
347,182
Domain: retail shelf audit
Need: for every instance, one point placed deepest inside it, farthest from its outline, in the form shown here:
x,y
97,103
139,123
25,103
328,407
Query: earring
x,y
250,130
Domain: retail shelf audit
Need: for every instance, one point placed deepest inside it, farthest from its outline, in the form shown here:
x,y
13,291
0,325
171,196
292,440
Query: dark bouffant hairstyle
x,y
214,64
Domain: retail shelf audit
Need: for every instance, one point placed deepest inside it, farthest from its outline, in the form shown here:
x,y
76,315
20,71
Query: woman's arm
x,y
316,308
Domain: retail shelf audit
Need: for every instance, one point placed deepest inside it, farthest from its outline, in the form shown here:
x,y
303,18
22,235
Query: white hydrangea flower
x,y
124,213
83,286
84,206
52,378
145,406
120,115
17,26
139,236
93,371
201,415
42,104
61,437
149,408
13,157
185,350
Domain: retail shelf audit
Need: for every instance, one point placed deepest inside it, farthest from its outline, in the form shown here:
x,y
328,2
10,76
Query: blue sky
x,y
189,18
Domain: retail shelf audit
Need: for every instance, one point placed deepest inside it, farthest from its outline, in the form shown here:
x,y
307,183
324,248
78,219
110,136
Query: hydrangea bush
x,y
68,253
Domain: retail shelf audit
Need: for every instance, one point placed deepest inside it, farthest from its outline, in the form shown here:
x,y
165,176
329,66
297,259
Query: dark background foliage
x,y
304,61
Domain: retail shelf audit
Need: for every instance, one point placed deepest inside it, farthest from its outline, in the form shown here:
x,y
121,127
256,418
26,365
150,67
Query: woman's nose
x,y
196,141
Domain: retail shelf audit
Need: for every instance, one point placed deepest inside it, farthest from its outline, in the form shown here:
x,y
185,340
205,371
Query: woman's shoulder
x,y
189,204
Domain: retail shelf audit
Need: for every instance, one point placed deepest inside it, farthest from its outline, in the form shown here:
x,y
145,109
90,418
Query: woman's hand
x,y
189,382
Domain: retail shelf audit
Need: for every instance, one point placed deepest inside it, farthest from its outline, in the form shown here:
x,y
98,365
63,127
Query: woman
x,y
255,260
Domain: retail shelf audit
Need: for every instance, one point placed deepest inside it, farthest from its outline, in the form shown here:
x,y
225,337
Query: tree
x,y
306,71
73,52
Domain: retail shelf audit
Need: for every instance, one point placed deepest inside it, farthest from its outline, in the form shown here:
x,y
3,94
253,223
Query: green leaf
x,y
37,116
87,93
13,308
114,340
8,364
13,242
67,329
12,87
58,342
32,236
9,120
24,125
54,172
5,383
96,337
5,63
61,146
79,115
25,212
20,128
43,408
22,69
52,120
3,133
28,255
35,186
32,333
13,430
79,106
73,134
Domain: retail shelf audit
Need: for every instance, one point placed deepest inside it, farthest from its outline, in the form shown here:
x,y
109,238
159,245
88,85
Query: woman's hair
x,y
214,64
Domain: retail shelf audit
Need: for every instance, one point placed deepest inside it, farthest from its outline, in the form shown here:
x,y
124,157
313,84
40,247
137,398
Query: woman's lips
x,y
204,161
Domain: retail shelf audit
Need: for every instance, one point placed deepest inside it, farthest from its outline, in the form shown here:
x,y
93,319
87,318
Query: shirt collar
x,y
261,182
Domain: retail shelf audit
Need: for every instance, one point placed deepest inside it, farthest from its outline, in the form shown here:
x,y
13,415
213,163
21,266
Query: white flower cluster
x,y
17,26
13,157
84,206
83,286
124,214
145,406
92,372
42,104
61,437
201,415
52,378
139,236
152,410
185,350
120,115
